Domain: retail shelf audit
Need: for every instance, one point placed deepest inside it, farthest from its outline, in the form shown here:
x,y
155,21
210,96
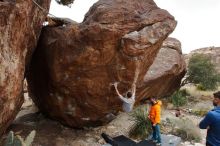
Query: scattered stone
x,y
170,140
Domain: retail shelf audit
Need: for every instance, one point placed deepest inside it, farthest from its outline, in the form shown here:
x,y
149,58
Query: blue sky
x,y
198,20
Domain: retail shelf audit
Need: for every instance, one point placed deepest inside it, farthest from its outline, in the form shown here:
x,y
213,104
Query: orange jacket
x,y
155,112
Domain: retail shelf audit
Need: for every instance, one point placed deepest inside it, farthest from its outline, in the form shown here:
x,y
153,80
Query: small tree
x,y
202,71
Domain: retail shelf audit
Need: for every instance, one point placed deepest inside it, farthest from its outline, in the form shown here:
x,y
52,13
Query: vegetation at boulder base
x,y
17,140
141,128
179,98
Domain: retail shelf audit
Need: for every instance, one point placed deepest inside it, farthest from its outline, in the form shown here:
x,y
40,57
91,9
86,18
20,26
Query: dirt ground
x,y
51,133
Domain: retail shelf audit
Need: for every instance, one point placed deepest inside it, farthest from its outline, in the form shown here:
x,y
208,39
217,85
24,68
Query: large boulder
x,y
20,25
165,74
74,64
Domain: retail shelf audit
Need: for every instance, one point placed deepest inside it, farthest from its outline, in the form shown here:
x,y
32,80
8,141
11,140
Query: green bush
x,y
179,98
141,128
200,87
202,71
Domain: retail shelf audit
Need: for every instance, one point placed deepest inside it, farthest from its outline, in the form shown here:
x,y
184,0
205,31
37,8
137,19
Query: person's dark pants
x,y
156,133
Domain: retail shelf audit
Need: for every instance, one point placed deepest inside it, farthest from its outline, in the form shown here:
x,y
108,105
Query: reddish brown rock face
x,y
74,65
20,25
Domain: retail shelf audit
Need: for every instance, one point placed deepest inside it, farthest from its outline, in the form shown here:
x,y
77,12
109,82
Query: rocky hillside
x,y
213,52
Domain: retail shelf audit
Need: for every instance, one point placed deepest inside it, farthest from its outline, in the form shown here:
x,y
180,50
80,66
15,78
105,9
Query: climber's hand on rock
x,y
111,84
116,84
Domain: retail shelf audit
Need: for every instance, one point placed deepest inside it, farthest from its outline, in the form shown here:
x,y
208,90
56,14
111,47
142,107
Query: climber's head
x,y
153,99
129,94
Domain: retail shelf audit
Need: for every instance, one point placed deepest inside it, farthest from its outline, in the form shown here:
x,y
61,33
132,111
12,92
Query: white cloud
x,y
198,23
76,12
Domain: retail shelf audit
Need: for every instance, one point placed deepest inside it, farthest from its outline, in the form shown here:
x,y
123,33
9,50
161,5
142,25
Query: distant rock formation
x,y
20,26
74,64
212,52
165,74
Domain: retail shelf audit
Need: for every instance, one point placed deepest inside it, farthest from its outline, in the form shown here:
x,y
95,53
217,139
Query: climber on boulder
x,y
129,99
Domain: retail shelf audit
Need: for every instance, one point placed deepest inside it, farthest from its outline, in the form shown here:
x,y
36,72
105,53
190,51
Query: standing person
x,y
154,116
129,99
211,122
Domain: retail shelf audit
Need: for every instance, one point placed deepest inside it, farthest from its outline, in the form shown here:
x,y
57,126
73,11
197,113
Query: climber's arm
x,y
119,95
133,90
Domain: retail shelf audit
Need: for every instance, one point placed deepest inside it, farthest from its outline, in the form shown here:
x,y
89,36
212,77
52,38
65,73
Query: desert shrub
x,y
17,140
167,126
185,135
200,112
200,87
185,128
202,71
141,128
179,98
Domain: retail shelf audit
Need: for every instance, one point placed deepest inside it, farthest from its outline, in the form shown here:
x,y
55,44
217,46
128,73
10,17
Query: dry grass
x,y
182,127
200,112
193,91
